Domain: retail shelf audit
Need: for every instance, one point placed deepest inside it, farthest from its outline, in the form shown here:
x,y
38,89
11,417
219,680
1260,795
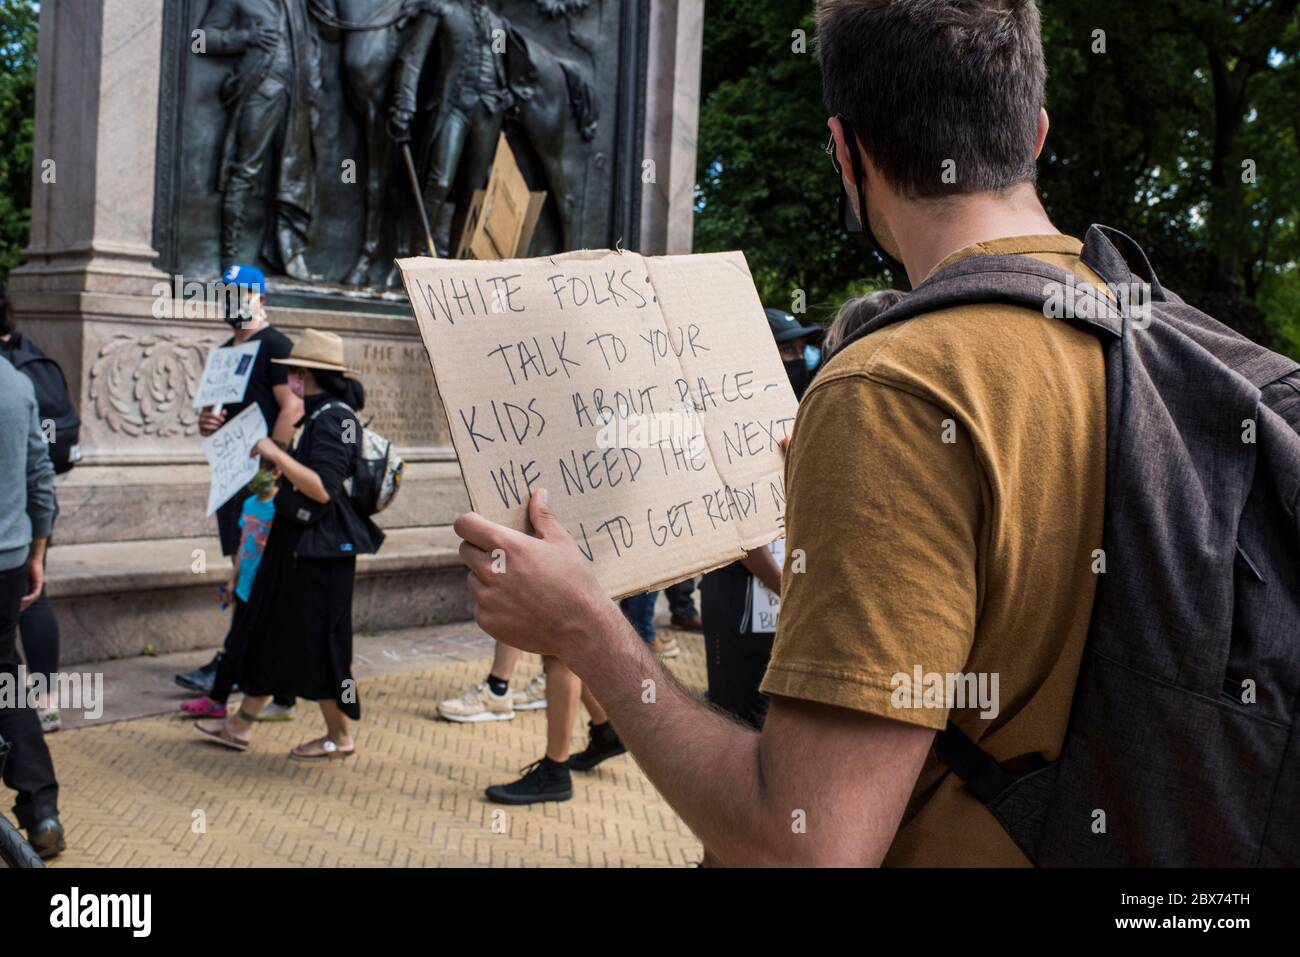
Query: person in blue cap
x,y
242,290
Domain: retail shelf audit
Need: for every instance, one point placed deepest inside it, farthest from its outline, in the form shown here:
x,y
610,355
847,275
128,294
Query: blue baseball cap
x,y
245,277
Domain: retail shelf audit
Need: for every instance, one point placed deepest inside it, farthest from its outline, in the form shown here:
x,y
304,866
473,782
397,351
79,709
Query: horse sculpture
x,y
556,92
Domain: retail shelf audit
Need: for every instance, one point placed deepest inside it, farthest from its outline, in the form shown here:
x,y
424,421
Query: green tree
x,y
1156,108
764,184
17,109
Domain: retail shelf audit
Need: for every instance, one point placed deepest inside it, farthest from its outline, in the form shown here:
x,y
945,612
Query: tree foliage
x,y
17,109
1159,111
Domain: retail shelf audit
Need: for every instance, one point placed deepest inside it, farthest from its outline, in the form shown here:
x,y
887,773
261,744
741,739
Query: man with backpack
x,y
1050,592
268,387
37,623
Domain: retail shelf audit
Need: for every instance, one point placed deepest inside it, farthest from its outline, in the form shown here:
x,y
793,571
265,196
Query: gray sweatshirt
x,y
26,474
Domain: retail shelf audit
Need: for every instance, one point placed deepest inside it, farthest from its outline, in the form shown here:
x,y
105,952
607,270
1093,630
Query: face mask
x,y
863,223
898,269
242,315
812,357
262,481
796,371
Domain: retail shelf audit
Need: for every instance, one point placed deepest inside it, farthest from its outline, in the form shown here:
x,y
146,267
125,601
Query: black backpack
x,y
1183,747
52,397
378,476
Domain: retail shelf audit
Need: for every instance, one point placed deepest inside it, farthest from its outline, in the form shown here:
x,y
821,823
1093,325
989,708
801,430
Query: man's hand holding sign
x,y
621,423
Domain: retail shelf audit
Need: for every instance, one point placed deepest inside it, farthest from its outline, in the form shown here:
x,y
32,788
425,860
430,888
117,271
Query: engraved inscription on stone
x,y
400,393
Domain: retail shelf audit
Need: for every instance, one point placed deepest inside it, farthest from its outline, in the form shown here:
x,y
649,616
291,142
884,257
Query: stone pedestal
x,y
135,560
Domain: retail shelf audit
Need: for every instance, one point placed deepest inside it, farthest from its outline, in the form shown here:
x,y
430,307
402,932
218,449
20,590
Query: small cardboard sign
x,y
645,394
501,217
227,451
226,375
765,604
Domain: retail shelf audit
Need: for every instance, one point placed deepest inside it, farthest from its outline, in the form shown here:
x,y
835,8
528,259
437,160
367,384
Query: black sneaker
x,y
46,837
604,745
200,680
543,780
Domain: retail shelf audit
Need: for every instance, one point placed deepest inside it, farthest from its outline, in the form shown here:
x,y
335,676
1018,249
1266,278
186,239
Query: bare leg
x,y
593,707
504,659
562,692
234,722
337,727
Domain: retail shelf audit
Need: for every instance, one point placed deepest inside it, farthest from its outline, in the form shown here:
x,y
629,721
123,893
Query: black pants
x,y
233,660
40,631
736,658
29,770
681,598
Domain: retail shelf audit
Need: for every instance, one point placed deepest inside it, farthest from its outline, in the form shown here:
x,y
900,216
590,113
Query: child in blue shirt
x,y
254,529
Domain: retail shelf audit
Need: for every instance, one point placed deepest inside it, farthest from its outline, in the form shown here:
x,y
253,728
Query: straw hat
x,y
316,350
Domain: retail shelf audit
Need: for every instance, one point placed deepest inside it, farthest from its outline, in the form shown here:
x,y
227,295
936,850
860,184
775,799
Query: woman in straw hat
x,y
298,626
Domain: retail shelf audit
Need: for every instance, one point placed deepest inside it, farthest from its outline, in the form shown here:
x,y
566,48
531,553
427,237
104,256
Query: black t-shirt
x,y
266,375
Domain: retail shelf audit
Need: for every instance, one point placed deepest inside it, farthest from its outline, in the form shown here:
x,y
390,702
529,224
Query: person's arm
x,y
211,419
304,479
762,565
35,573
819,786
40,505
286,421
891,581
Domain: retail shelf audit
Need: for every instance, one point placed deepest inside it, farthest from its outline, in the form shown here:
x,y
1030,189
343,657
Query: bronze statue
x,y
271,97
473,49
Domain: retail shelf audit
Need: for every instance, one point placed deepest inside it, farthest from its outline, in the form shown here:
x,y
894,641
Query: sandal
x,y
321,749
223,736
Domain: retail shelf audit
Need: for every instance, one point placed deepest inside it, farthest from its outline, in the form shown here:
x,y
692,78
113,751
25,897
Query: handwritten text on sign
x,y
227,453
645,394
225,375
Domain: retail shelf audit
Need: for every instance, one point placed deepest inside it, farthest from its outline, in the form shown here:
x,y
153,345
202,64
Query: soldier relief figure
x,y
271,97
441,78
471,93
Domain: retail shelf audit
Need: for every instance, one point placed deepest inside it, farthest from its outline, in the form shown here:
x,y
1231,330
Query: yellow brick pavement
x,y
411,797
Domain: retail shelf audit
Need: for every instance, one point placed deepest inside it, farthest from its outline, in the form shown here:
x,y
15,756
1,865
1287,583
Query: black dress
x,y
298,625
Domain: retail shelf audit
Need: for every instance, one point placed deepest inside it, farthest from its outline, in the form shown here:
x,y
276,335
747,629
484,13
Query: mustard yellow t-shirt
x,y
945,484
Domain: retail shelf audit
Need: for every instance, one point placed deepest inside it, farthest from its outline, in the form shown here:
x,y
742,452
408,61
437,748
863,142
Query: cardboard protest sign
x,y
645,394
501,217
226,374
227,453
765,604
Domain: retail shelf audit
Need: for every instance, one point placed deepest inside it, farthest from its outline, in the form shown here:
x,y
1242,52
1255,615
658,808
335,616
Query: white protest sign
x,y
765,604
225,375
227,453
645,394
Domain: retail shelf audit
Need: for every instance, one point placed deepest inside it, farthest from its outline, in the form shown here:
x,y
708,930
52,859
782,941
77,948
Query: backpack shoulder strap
x,y
1117,258
1015,280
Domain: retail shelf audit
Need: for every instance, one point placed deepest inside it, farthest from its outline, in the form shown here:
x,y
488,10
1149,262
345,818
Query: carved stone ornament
x,y
145,385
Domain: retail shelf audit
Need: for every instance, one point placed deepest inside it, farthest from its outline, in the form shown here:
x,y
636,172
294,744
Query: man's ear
x,y
1041,136
842,156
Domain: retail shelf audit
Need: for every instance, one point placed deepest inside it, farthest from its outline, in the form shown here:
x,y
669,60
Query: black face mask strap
x,y
897,268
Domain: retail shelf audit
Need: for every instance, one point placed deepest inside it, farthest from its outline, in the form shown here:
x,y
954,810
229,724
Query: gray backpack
x,y
1183,747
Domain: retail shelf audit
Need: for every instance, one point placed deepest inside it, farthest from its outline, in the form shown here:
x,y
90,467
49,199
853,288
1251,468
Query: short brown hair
x,y
926,81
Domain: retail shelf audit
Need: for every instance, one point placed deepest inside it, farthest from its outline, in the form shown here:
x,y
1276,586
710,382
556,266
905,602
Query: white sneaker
x,y
533,696
478,704
276,712
50,720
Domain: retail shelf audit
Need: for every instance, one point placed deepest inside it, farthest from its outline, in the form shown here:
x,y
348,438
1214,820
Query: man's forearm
x,y
705,765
